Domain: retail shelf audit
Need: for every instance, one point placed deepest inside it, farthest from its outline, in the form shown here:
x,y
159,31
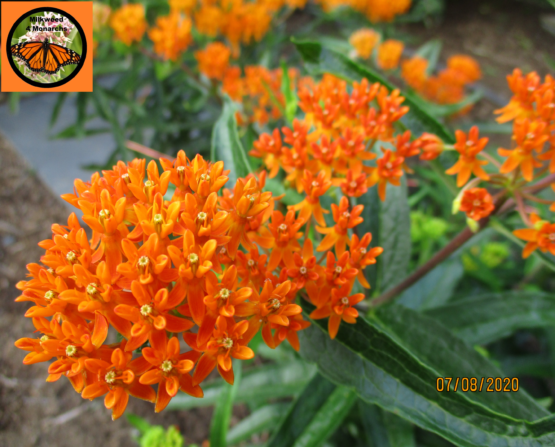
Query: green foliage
x,y
155,435
223,409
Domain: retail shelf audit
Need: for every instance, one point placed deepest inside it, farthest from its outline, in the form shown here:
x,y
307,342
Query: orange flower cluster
x,y
208,265
129,23
258,90
364,41
340,134
448,86
374,10
171,35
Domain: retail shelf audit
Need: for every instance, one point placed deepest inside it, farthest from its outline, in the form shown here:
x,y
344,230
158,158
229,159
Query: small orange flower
x,y
389,54
169,369
305,264
413,72
344,219
129,23
361,256
388,171
339,308
171,35
213,60
431,145
314,188
364,41
541,236
467,66
477,203
469,147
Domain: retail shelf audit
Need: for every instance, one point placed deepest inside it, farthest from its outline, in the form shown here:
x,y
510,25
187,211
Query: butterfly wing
x,y
64,56
32,53
51,65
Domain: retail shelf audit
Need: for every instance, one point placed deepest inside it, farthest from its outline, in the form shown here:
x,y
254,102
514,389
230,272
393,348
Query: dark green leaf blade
x,y
226,145
315,415
486,318
224,407
266,418
395,368
384,429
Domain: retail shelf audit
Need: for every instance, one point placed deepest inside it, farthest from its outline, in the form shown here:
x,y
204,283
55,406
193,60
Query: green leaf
x,y
226,145
163,69
486,318
384,429
14,98
389,223
257,385
316,414
289,94
224,407
394,360
138,422
263,419
449,109
435,288
292,197
430,51
60,99
319,60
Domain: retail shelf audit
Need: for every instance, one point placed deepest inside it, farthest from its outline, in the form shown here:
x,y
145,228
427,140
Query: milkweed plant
x,y
286,233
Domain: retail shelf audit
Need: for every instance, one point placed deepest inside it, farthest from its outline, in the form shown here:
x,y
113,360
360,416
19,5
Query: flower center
x,y
303,270
201,216
71,256
353,184
283,227
345,301
91,288
146,310
274,304
104,214
110,377
315,184
205,177
346,215
476,203
158,219
149,183
338,269
71,350
166,366
363,251
224,293
227,343
125,177
180,169
223,250
193,258
49,295
551,236
250,263
65,236
143,261
44,338
388,165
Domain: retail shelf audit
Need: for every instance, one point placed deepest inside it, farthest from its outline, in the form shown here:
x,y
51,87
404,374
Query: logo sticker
x,y
44,46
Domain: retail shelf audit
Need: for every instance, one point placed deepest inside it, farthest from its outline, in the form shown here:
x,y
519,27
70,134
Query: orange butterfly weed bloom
x,y
314,188
541,236
182,5
344,218
530,137
389,170
169,369
466,66
469,146
361,256
129,24
383,10
524,90
118,378
477,203
364,41
389,54
209,20
213,60
431,146
171,35
413,72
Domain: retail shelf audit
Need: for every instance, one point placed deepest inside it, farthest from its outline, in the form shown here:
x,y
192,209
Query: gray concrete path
x,y
58,162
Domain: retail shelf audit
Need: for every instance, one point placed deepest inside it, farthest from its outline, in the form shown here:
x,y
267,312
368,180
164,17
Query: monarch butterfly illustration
x,y
44,56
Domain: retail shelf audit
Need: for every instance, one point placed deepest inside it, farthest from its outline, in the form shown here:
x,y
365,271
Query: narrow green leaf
x,y
292,197
486,318
60,99
223,410
319,59
265,418
384,429
315,415
430,51
389,223
226,145
257,385
394,360
435,288
449,109
14,98
289,94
